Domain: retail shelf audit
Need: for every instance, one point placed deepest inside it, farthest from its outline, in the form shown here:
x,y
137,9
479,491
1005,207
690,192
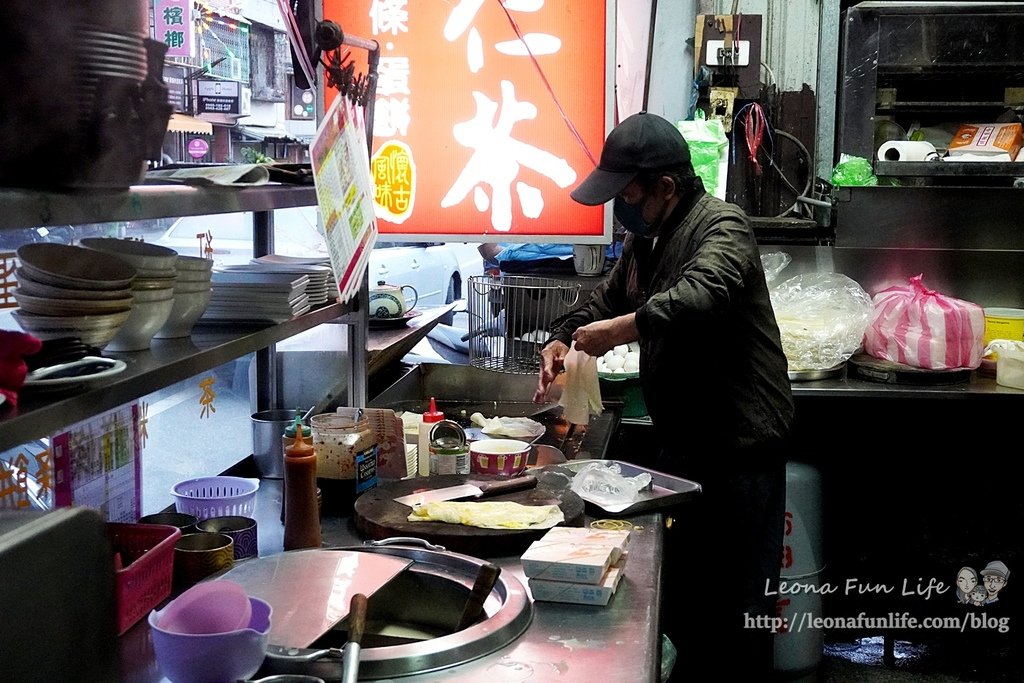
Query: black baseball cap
x,y
642,142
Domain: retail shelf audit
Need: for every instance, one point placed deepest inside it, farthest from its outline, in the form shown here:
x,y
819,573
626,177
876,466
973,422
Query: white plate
x,y
38,378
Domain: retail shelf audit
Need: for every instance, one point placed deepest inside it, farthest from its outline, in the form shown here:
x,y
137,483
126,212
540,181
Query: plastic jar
x,y
346,457
449,452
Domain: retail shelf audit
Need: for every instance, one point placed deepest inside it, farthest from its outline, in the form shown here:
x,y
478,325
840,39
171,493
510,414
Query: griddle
x,y
863,366
377,516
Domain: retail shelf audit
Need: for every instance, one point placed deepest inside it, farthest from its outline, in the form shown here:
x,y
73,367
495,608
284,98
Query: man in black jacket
x,y
690,288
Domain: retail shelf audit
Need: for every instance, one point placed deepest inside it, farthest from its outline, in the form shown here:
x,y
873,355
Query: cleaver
x,y
477,489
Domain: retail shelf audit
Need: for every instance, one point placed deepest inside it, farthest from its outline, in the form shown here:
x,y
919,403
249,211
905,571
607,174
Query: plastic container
x,y
623,387
206,497
1004,323
147,561
1010,368
427,421
230,656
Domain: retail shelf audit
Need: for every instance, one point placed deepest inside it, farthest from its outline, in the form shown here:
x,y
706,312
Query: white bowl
x,y
141,283
62,265
191,287
95,330
33,288
65,307
194,263
144,320
194,276
142,255
147,295
187,310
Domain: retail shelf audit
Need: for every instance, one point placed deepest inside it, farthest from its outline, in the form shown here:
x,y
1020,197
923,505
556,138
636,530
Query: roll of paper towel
x,y
907,150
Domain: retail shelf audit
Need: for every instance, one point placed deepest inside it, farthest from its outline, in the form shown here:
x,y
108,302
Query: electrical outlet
x,y
717,55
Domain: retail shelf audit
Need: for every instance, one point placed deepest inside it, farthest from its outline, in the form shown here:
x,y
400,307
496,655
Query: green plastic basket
x,y
623,387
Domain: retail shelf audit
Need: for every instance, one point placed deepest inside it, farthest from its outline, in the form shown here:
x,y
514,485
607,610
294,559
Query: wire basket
x,y
147,558
206,497
510,317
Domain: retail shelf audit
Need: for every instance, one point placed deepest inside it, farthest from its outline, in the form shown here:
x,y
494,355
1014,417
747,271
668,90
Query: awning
x,y
183,123
267,134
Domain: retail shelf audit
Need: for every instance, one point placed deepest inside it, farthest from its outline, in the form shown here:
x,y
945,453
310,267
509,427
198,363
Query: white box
x,y
578,593
573,554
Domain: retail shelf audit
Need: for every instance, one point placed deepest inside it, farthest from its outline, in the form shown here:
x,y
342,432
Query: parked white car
x,y
433,268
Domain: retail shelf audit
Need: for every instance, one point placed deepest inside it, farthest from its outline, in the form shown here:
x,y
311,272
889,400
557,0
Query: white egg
x,y
634,346
634,355
621,350
610,354
602,366
615,363
618,370
631,364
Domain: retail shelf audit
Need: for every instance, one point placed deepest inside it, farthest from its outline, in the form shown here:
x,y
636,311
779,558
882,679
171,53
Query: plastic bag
x,y
604,485
774,263
709,150
581,396
821,317
922,328
853,170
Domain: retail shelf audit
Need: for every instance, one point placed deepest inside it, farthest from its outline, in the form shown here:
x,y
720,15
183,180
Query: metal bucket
x,y
267,447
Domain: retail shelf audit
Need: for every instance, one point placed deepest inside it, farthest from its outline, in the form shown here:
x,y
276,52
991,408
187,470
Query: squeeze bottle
x,y
301,514
423,442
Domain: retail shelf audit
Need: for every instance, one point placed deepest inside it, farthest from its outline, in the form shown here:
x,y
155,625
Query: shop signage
x,y
301,103
172,23
174,78
198,148
486,115
218,97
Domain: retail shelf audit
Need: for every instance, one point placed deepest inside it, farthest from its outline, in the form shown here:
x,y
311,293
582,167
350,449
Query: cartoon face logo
x,y
966,581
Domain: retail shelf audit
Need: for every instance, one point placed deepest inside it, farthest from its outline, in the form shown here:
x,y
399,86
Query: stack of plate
x,y
330,285
253,296
192,293
321,278
152,289
66,291
104,55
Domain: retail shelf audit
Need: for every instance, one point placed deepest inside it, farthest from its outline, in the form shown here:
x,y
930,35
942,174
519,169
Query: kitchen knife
x,y
477,489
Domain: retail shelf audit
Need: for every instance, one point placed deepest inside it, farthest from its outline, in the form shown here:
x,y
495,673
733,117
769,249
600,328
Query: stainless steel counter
x,y
616,642
853,388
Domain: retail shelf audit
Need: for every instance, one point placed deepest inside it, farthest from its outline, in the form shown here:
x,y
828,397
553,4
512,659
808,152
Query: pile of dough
x,y
490,515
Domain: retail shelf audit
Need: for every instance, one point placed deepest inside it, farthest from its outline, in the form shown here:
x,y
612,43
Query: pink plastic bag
x,y
919,327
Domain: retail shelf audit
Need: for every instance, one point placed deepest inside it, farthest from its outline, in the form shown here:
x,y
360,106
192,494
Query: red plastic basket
x,y
147,558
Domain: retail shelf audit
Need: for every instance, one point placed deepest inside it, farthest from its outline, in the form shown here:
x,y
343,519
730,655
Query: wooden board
x,y
378,516
863,366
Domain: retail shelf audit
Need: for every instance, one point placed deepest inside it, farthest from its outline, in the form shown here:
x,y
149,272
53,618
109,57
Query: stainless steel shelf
x,y
956,169
168,361
28,208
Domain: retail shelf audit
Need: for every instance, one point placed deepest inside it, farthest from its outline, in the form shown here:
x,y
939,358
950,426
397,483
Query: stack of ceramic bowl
x,y
66,291
192,292
152,289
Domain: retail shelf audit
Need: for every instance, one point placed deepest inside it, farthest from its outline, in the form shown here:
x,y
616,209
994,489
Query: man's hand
x,y
599,337
552,359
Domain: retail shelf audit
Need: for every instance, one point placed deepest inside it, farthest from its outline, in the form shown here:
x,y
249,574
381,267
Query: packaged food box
x,y
987,139
576,556
579,593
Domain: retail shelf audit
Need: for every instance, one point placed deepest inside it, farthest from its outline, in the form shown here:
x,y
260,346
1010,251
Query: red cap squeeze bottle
x,y
423,442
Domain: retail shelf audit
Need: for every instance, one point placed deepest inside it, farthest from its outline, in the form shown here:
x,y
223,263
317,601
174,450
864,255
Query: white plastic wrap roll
x,y
907,150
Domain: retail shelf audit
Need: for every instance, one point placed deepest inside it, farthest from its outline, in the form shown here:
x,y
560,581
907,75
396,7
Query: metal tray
x,y
666,490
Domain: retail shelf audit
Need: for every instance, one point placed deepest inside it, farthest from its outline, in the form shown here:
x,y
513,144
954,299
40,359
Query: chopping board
x,y
377,516
863,366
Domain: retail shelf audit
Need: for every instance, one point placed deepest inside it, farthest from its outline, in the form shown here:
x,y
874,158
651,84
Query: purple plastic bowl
x,y
213,657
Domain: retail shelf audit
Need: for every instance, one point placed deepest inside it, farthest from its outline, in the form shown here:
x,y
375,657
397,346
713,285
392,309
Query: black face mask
x,y
632,218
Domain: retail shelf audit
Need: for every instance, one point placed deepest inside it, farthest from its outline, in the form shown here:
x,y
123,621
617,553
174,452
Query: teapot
x,y
388,301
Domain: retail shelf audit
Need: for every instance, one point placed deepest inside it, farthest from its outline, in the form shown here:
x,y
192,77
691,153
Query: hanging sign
x,y
487,113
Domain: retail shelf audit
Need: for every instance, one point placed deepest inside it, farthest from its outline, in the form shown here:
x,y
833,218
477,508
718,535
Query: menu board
x,y
344,193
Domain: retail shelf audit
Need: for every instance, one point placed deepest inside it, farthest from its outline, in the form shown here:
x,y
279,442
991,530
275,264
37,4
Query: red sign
x,y
198,148
487,114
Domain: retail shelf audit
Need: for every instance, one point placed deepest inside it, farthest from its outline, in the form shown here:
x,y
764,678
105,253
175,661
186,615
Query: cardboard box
x,y
574,555
987,139
578,593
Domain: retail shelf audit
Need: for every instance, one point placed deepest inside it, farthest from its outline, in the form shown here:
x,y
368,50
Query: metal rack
x,y
509,316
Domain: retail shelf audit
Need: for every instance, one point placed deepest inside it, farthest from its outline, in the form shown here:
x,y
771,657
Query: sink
x,y
412,620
